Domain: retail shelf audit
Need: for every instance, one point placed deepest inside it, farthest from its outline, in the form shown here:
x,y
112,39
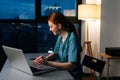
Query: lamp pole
x,y
87,42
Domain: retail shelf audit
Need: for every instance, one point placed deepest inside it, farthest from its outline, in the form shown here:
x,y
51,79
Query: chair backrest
x,y
93,63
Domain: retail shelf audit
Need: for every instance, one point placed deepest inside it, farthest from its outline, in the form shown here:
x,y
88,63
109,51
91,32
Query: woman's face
x,y
54,28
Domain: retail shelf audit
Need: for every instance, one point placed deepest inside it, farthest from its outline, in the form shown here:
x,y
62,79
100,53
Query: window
x,y
28,20
18,35
67,7
17,9
46,39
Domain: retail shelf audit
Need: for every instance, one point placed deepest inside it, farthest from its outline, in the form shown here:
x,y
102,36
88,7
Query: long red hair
x,y
59,18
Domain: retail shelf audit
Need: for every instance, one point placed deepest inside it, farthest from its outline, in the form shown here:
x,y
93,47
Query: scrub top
x,y
69,51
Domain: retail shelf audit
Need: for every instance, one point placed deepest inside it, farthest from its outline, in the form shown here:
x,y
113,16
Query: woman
x,y
67,48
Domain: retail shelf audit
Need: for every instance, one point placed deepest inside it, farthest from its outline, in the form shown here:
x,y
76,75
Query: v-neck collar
x,y
65,39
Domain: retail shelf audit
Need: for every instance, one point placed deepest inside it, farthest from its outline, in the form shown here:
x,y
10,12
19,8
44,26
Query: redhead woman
x,y
67,49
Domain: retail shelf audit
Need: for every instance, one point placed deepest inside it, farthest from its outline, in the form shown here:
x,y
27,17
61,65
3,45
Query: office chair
x,y
95,65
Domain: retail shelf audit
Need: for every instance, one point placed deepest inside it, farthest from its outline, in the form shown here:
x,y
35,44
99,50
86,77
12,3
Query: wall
x,y
110,30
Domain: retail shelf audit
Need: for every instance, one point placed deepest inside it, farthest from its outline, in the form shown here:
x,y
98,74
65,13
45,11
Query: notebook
x,y
18,61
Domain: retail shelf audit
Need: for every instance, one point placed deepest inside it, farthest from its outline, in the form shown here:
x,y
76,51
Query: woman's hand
x,y
40,60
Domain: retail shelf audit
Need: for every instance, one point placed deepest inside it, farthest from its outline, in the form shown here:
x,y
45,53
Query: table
x,y
9,73
108,57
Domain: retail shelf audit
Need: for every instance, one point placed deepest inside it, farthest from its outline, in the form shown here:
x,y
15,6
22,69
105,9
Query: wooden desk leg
x,y
107,72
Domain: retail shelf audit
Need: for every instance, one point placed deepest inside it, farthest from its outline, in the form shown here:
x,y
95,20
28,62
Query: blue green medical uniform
x,y
69,51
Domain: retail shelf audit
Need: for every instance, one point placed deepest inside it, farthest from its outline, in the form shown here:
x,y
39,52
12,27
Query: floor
x,y
113,78
88,77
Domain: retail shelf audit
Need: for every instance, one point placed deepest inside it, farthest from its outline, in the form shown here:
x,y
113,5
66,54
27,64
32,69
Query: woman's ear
x,y
59,26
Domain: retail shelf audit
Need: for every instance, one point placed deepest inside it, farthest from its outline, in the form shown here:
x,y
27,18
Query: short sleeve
x,y
74,49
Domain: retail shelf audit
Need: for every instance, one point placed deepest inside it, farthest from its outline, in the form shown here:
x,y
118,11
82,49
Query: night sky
x,y
64,4
11,9
25,9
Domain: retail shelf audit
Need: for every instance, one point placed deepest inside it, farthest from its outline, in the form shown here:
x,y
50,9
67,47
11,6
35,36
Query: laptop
x,y
18,61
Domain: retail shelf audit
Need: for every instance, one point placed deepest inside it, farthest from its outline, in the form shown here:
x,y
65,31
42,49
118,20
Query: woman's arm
x,y
67,65
42,60
51,56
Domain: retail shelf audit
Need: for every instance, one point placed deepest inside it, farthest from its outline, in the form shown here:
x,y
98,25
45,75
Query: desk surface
x,y
9,73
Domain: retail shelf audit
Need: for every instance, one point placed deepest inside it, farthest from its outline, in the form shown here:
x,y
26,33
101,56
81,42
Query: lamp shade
x,y
88,12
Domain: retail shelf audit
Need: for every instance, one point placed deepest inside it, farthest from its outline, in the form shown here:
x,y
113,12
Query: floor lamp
x,y
87,12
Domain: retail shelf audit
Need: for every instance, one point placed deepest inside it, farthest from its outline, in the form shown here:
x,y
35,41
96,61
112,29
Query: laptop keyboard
x,y
42,70
34,69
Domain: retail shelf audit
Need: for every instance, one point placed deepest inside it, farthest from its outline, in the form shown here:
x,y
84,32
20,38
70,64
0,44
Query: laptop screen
x,y
2,58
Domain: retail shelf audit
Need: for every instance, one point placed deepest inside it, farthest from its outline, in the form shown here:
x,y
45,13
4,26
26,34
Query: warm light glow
x,y
88,12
